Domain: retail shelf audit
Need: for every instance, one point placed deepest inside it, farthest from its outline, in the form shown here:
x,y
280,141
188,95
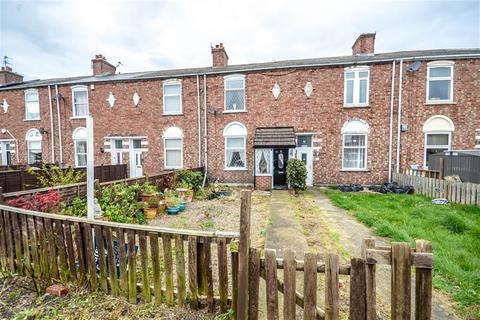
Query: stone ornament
x,y
308,89
111,100
136,99
5,106
276,91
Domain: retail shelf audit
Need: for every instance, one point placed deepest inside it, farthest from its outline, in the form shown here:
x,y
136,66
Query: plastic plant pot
x,y
173,210
182,206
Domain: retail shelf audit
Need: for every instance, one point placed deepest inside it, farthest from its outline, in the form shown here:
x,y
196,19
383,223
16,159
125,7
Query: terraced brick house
x,y
351,119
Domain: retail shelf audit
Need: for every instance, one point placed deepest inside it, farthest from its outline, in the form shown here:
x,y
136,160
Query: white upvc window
x,y
173,148
355,145
32,105
234,93
263,162
80,101
80,147
117,151
356,86
435,143
172,97
34,146
440,82
235,135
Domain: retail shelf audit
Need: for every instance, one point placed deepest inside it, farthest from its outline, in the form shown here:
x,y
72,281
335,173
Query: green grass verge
x,y
454,231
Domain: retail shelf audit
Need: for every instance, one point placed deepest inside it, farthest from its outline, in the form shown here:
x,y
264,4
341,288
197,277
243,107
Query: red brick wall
x,y
263,182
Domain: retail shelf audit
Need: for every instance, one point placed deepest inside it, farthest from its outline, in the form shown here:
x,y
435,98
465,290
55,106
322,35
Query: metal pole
x,y
90,170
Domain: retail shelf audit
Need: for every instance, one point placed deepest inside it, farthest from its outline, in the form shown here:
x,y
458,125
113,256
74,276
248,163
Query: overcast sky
x,y
59,38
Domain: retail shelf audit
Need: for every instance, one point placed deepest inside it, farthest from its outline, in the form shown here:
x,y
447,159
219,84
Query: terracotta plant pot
x,y
150,213
146,196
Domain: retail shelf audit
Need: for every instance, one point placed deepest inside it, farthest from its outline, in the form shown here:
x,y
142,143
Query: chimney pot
x,y
219,56
101,66
7,76
364,45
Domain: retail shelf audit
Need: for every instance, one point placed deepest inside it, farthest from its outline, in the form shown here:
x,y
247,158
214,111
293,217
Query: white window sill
x,y
37,119
354,170
172,114
263,175
78,117
234,169
173,168
356,106
437,102
234,111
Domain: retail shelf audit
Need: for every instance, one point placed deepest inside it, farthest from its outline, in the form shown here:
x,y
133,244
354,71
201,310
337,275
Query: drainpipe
x,y
59,119
390,147
399,114
206,129
199,124
52,134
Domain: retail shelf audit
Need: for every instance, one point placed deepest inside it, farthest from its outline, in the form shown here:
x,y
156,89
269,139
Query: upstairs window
x,y
32,105
235,135
172,97
80,101
34,146
354,148
80,147
356,86
440,81
235,93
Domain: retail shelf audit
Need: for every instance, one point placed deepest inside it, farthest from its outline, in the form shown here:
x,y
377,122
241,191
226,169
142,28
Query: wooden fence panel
x,y
168,263
401,281
423,285
112,266
289,280
358,289
180,266
271,286
222,274
18,242
157,274
9,240
310,287
192,272
132,267
122,256
331,287
253,284
144,266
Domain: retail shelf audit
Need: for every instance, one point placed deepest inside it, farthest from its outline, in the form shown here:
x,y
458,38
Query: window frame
x,y
440,64
438,146
75,141
165,149
354,147
79,89
29,91
234,77
172,82
226,135
33,140
356,86
270,163
115,151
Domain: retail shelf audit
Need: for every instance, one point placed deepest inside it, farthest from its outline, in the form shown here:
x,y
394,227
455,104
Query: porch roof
x,y
274,137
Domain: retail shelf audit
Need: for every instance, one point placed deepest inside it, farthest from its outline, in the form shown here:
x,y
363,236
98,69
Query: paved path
x,y
352,233
284,231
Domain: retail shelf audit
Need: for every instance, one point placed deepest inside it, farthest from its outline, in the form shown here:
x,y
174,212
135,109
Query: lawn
x,y
454,231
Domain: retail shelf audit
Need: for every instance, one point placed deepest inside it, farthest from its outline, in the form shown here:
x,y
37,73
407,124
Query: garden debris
x,y
57,290
392,187
350,187
440,201
453,178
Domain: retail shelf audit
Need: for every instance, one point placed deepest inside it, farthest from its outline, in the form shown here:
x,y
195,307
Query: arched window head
x,y
173,132
234,129
80,134
438,124
33,135
355,126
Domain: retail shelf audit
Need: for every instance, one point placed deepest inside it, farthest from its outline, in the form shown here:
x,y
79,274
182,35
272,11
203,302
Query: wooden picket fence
x,y
456,192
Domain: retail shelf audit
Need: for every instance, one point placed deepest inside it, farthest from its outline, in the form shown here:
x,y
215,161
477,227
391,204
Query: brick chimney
x,y
7,76
101,66
219,56
364,45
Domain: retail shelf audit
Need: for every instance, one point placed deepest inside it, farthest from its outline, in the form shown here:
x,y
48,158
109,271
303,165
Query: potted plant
x,y
148,191
173,204
150,208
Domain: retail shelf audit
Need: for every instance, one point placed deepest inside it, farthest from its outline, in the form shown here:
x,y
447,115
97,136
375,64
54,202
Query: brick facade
x,y
322,114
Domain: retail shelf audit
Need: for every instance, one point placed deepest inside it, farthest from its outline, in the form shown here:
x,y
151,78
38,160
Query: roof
x,y
274,137
285,64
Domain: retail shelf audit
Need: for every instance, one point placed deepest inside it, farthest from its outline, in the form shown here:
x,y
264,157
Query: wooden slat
x,y
253,285
209,274
370,281
132,267
310,286
122,257
80,250
147,297
243,251
70,251
423,285
358,289
222,274
192,272
289,279
61,250
33,246
42,249
331,287
112,268
180,268
157,275
168,262
90,256
3,244
9,240
101,258
25,244
401,281
234,260
18,242
52,248
271,285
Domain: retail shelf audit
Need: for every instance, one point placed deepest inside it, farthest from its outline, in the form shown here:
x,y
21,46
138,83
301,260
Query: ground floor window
x,y
435,143
173,153
354,151
263,161
81,153
235,153
34,152
117,148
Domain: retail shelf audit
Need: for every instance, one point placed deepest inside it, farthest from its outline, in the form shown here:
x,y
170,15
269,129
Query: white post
x,y
90,170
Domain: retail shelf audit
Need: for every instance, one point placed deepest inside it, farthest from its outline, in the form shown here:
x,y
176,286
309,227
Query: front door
x,y
136,168
280,158
305,154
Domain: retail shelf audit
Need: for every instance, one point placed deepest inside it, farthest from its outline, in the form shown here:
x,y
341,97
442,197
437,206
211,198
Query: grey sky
x,y
59,38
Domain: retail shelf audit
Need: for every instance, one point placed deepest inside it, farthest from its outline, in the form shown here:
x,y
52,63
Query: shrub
x,y
119,203
44,202
50,176
188,178
296,174
77,208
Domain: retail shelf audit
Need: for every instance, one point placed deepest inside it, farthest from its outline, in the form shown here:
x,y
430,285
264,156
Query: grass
x,y
454,231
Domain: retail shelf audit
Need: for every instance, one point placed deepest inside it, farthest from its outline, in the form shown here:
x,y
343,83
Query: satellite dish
x,y
414,66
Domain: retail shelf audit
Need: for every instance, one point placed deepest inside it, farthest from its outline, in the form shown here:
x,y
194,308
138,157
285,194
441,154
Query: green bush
x,y
188,178
119,203
77,208
50,176
297,174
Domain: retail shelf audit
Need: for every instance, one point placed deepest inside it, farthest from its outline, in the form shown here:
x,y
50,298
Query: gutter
x,y
399,124
52,133
206,129
199,124
59,124
390,145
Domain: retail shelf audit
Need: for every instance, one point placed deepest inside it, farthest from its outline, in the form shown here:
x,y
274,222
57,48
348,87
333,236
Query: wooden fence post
x,y
441,168
358,289
401,281
243,252
331,287
370,281
423,285
1,195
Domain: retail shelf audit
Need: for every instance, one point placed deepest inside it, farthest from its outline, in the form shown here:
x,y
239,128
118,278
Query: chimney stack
x,y
219,56
101,66
364,45
7,76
